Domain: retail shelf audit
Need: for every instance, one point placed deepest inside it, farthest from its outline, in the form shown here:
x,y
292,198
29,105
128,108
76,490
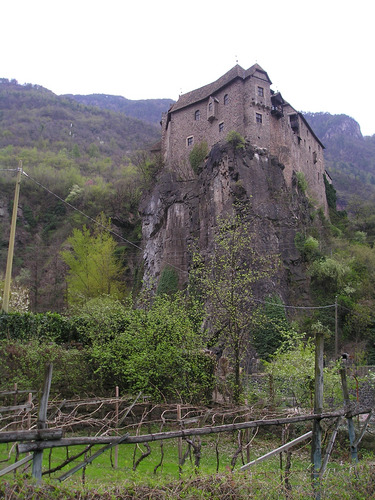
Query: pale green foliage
x,y
334,275
292,371
270,327
301,181
93,267
235,139
226,280
74,194
197,155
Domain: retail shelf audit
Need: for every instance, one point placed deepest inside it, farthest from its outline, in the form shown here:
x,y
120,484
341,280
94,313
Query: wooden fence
x,y
121,416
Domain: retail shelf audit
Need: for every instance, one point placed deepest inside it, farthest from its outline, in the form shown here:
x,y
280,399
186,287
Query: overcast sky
x,y
318,53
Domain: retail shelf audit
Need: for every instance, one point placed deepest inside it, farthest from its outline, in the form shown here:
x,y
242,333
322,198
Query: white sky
x,y
318,53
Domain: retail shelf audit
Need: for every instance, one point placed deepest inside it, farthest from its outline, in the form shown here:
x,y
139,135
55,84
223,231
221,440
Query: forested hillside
x,y
149,110
86,156
350,157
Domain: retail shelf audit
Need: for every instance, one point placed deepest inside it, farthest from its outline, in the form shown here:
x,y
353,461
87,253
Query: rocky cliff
x,y
179,213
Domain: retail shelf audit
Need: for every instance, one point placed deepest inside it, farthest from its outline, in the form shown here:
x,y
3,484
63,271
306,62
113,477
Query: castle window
x,y
260,92
221,127
226,99
197,115
258,118
210,106
189,141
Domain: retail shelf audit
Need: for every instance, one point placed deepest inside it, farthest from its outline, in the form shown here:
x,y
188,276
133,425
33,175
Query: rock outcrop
x,y
180,213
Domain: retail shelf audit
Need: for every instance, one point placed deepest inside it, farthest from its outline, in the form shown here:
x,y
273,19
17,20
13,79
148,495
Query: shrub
x,y
235,139
168,282
24,363
29,326
301,181
197,155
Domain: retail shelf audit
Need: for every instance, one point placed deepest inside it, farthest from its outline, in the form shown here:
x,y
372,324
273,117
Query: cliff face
x,y
179,213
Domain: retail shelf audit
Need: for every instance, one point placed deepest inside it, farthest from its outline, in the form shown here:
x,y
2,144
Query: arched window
x,y
197,115
226,99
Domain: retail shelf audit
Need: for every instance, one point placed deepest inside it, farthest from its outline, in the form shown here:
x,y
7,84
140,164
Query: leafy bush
x,y
235,139
301,181
197,155
309,247
29,326
158,352
24,363
168,282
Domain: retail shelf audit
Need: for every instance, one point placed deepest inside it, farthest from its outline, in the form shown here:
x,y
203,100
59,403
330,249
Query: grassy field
x,y
264,481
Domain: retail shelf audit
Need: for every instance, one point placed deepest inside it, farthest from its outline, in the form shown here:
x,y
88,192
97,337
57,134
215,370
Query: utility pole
x,y
8,273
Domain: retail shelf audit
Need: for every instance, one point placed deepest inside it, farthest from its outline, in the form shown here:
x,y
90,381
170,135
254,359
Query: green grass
x,y
263,481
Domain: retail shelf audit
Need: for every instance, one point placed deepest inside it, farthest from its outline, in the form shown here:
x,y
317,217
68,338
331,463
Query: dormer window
x,y
197,115
226,99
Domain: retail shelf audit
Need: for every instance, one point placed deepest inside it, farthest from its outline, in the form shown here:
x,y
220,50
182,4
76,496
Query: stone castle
x,y
242,100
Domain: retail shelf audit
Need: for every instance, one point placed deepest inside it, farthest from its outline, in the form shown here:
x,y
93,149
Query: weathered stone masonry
x,y
242,100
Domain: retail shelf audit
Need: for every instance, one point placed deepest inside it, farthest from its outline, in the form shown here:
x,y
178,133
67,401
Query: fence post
x,y
353,446
116,424
316,443
179,440
29,402
42,422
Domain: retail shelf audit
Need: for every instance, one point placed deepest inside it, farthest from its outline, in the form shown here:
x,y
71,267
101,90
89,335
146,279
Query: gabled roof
x,y
206,91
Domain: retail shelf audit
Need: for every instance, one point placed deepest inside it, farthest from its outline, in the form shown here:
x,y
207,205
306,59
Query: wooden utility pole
x,y
8,273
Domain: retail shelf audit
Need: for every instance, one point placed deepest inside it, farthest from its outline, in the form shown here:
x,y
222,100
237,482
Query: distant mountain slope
x,y
149,110
350,157
31,115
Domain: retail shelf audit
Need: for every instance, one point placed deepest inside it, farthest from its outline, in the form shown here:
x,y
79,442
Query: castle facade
x,y
242,100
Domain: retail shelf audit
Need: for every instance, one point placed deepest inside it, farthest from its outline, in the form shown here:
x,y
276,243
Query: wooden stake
x,y
29,401
42,422
116,423
179,441
316,443
351,431
330,448
277,450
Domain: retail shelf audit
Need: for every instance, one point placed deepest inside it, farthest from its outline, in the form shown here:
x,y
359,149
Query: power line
x,y
93,220
293,307
140,248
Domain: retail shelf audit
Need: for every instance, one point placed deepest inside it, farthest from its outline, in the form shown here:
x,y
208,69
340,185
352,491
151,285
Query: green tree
x,y
156,349
227,281
93,268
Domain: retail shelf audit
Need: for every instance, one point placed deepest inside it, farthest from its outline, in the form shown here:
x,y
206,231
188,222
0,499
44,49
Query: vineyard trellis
x,y
112,420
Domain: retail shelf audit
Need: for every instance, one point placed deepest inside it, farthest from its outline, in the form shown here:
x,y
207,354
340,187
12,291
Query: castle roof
x,y
210,89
